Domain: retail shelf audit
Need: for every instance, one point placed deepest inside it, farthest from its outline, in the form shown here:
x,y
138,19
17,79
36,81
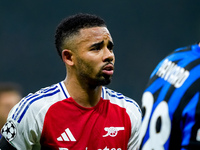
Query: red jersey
x,y
51,119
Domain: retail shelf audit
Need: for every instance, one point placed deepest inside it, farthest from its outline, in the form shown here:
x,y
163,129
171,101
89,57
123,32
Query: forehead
x,y
95,34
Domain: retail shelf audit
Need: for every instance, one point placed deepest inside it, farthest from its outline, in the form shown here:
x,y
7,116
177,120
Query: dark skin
x,y
89,65
92,61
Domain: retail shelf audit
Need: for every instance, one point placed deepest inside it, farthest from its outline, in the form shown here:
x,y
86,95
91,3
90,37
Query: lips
x,y
108,69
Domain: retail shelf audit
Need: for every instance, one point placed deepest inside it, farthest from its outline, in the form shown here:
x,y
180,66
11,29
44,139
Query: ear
x,y
67,56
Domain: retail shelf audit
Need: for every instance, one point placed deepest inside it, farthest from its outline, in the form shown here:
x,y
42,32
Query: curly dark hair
x,y
71,25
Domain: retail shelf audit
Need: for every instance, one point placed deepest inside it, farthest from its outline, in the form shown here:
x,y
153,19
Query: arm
x,y
136,118
4,145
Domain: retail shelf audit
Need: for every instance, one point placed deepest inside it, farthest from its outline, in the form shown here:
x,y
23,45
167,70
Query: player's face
x,y
94,58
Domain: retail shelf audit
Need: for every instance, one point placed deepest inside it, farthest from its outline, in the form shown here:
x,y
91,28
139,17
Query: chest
x,y
66,126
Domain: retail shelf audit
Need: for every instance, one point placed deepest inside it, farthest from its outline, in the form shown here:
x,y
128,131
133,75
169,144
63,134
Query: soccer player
x,y
171,103
78,113
10,95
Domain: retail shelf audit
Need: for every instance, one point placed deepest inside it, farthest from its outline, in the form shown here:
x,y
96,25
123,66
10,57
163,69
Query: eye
x,y
97,47
110,46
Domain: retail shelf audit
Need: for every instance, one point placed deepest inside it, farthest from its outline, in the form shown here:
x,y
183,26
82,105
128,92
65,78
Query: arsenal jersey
x,y
51,119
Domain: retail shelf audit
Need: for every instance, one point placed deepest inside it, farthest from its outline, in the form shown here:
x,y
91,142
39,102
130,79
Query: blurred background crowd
x,y
143,33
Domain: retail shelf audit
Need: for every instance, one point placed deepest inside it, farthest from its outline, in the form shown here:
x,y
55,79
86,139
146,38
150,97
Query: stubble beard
x,y
99,80
85,76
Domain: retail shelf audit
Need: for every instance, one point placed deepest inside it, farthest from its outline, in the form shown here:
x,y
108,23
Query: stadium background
x,y
144,32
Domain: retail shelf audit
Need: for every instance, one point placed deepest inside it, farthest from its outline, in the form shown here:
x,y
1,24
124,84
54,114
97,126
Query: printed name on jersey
x,y
106,148
173,73
9,130
66,136
112,131
171,103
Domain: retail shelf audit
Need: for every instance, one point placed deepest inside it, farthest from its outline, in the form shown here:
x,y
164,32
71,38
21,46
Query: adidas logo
x,y
66,136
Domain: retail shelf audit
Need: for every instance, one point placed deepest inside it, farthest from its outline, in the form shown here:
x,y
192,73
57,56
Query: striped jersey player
x,y
171,103
56,122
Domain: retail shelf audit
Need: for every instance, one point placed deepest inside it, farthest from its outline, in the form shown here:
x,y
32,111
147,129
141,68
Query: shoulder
x,y
123,101
34,102
132,110
117,97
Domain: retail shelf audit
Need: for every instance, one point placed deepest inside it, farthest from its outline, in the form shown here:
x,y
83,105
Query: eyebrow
x,y
97,44
110,43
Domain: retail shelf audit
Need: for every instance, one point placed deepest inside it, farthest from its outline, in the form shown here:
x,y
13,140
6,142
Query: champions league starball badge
x,y
9,131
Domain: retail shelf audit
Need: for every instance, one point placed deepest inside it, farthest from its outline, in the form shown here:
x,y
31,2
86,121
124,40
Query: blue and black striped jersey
x,y
171,103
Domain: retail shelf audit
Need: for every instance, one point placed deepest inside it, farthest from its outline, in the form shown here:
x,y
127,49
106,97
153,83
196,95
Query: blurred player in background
x,y
10,94
79,113
171,103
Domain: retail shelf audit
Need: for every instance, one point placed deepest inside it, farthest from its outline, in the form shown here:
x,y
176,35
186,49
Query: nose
x,y
108,55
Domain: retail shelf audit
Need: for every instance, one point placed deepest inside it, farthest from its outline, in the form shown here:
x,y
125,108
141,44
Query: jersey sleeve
x,y
135,116
21,133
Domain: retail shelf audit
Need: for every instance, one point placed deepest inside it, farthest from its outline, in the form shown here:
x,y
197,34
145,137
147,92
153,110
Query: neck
x,y
84,96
